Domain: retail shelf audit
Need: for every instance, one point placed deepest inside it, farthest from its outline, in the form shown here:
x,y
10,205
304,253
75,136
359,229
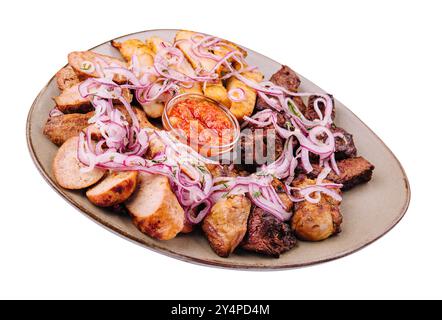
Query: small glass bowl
x,y
208,151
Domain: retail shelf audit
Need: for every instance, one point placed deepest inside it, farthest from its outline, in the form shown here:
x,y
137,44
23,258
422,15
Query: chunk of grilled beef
x,y
310,112
267,235
258,146
344,144
226,170
353,171
286,78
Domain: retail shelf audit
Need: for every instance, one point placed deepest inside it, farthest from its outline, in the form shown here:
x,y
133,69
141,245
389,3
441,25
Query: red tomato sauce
x,y
203,121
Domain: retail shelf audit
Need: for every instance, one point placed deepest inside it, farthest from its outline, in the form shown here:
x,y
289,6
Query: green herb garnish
x,y
292,108
257,194
289,125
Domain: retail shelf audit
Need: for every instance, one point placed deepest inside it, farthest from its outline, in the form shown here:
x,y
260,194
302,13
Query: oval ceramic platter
x,y
369,210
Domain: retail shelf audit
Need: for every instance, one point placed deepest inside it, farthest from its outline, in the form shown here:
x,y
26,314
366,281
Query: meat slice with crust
x,y
353,171
67,169
155,208
66,78
310,112
288,79
267,235
344,144
60,128
70,100
114,189
88,63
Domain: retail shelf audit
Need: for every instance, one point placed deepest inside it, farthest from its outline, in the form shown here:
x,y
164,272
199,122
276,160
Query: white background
x,y
382,59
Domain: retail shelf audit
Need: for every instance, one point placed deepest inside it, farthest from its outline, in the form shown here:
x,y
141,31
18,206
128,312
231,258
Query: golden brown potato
x,y
155,208
136,47
216,90
145,57
86,64
66,168
226,224
115,188
156,44
316,222
246,106
154,109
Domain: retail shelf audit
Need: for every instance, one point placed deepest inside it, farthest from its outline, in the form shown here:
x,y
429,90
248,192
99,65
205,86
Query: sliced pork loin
x,y
66,78
116,188
60,128
70,100
67,168
155,208
87,64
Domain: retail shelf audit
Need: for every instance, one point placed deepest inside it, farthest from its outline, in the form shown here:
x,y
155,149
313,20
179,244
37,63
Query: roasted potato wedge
x,y
226,224
154,109
145,57
135,47
215,90
156,44
155,208
246,106
87,64
66,168
115,188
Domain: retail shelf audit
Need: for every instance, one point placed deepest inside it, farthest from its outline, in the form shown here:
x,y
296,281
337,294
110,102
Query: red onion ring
x,y
237,94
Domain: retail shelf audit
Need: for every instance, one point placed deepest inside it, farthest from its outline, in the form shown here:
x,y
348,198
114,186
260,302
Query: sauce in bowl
x,y
202,123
